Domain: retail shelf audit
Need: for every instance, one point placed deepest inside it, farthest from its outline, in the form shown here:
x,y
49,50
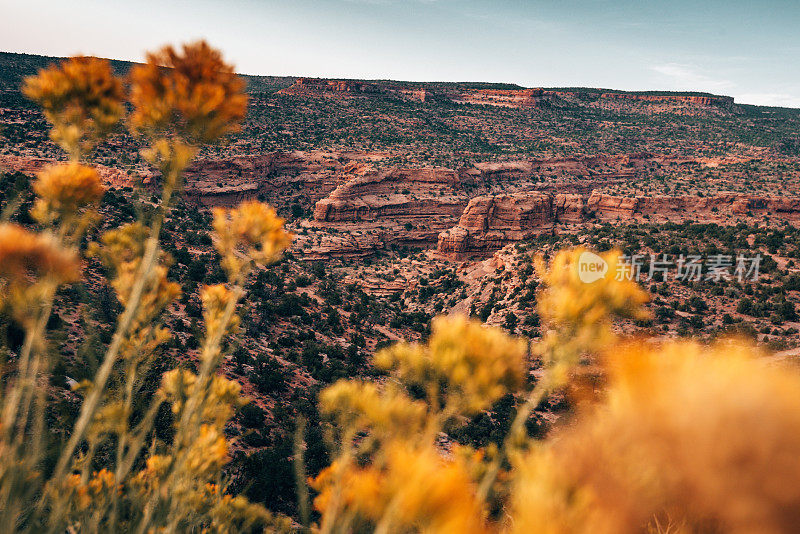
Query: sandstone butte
x,y
510,98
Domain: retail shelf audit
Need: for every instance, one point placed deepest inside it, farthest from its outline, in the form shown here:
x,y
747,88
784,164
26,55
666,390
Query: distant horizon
x,y
722,47
487,82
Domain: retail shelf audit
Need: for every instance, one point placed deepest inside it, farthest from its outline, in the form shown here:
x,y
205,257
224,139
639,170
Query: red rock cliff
x,y
720,101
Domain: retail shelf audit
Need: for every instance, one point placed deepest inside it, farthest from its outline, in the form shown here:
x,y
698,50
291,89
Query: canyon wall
x,y
719,101
31,166
508,98
519,98
277,176
529,98
718,208
302,85
491,222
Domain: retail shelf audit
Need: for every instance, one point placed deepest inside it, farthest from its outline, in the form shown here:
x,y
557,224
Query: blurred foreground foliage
x,y
662,435
126,464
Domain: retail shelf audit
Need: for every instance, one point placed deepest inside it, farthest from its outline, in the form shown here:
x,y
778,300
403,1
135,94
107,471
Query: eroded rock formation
x,y
491,222
509,98
31,166
305,85
699,100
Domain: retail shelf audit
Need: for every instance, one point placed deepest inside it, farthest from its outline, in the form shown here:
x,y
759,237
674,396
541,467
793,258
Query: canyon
x,y
357,205
409,200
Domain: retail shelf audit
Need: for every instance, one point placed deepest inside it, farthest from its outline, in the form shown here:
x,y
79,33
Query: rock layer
x,y
304,85
507,98
491,222
699,100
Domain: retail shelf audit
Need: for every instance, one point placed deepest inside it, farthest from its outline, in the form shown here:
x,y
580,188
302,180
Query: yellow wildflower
x,y
81,97
215,300
476,365
110,419
24,254
121,251
208,452
364,405
64,189
101,482
171,156
221,401
578,306
231,515
78,492
192,90
709,435
414,489
122,247
572,298
254,227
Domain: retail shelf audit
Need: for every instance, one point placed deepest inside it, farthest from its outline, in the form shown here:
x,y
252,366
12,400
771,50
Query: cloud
x,y
782,100
690,78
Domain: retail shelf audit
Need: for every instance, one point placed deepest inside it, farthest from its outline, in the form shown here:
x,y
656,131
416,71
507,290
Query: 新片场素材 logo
x,y
591,267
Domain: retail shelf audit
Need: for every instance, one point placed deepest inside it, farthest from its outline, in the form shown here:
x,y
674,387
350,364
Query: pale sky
x,y
744,48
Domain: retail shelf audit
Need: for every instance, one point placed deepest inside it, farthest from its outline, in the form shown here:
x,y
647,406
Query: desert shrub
x,y
137,457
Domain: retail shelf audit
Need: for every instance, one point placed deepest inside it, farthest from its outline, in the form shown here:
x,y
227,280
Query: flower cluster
x,y
179,100
65,189
81,98
26,257
216,300
414,489
121,250
32,266
472,365
223,397
579,312
570,299
705,435
250,232
366,406
84,495
171,156
192,91
390,432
